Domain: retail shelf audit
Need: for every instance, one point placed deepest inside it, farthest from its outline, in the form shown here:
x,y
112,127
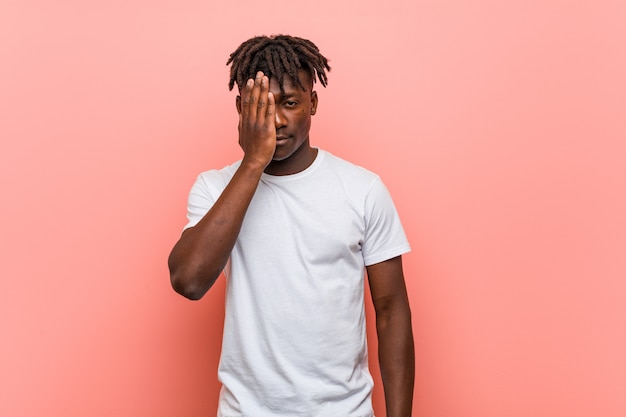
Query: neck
x,y
297,162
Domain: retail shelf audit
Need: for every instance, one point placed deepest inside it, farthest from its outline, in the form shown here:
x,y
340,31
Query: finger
x,y
262,101
254,97
271,110
245,99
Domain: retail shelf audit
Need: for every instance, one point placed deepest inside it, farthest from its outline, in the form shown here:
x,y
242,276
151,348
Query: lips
x,y
281,139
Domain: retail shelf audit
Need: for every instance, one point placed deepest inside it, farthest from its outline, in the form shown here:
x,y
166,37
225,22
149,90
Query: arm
x,y
395,335
202,251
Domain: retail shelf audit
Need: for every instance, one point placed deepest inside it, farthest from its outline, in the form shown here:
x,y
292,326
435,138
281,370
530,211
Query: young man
x,y
294,227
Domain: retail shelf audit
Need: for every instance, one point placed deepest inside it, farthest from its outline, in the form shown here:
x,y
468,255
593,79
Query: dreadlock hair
x,y
277,56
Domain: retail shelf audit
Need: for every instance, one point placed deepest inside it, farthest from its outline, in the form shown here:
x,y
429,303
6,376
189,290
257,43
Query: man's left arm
x,y
396,352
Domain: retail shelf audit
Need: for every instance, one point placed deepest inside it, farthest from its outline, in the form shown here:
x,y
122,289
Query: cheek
x,y
298,117
304,120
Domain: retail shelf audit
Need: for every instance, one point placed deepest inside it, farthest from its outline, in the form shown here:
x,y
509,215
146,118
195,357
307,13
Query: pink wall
x,y
498,126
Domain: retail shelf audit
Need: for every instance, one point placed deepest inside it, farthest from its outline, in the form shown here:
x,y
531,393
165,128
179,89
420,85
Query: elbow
x,y
191,292
190,285
179,279
190,278
396,313
184,284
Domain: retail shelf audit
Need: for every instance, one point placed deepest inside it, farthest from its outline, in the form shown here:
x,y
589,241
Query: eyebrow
x,y
290,94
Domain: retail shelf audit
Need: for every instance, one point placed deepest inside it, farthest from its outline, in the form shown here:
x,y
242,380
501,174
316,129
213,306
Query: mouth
x,y
281,139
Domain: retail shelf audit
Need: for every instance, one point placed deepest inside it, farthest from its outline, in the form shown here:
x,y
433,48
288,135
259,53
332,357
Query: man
x,y
293,227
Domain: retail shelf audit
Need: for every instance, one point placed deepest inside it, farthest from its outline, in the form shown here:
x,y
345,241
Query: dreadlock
x,y
277,56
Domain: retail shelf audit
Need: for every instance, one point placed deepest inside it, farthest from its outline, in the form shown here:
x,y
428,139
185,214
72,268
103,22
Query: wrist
x,y
253,166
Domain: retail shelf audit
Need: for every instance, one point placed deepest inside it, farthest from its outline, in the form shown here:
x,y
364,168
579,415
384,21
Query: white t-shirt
x,y
294,334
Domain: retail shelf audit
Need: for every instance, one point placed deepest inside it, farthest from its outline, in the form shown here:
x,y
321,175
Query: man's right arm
x,y
202,251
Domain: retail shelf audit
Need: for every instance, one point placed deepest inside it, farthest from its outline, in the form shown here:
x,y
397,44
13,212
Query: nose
x,y
279,120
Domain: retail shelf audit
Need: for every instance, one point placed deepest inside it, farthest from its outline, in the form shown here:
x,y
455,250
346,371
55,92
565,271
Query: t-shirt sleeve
x,y
384,235
201,198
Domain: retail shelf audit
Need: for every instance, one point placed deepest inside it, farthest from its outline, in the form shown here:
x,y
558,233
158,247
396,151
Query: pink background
x,y
499,127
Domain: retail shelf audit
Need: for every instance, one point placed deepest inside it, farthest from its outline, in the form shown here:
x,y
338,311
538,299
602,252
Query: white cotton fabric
x,y
294,334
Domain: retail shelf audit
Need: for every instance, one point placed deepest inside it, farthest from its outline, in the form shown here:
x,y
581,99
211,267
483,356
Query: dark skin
x,y
274,135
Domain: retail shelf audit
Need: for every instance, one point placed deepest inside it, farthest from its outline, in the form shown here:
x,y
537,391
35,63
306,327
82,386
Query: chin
x,y
281,156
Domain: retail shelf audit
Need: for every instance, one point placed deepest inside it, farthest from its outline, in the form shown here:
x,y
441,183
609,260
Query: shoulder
x,y
212,182
348,170
219,177
359,185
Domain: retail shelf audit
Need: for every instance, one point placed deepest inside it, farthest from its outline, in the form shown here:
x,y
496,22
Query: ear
x,y
313,102
238,104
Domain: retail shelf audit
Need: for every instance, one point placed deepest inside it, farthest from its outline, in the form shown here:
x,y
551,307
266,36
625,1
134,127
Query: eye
x,y
291,103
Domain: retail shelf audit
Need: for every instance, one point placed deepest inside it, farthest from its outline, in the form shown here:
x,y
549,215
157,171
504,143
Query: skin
x,y
274,135
292,113
396,354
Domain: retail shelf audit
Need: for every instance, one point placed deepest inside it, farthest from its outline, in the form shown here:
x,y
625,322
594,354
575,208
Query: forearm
x,y
200,255
397,359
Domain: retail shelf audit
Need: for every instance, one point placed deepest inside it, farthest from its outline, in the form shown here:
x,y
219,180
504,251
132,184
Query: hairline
x,y
306,72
